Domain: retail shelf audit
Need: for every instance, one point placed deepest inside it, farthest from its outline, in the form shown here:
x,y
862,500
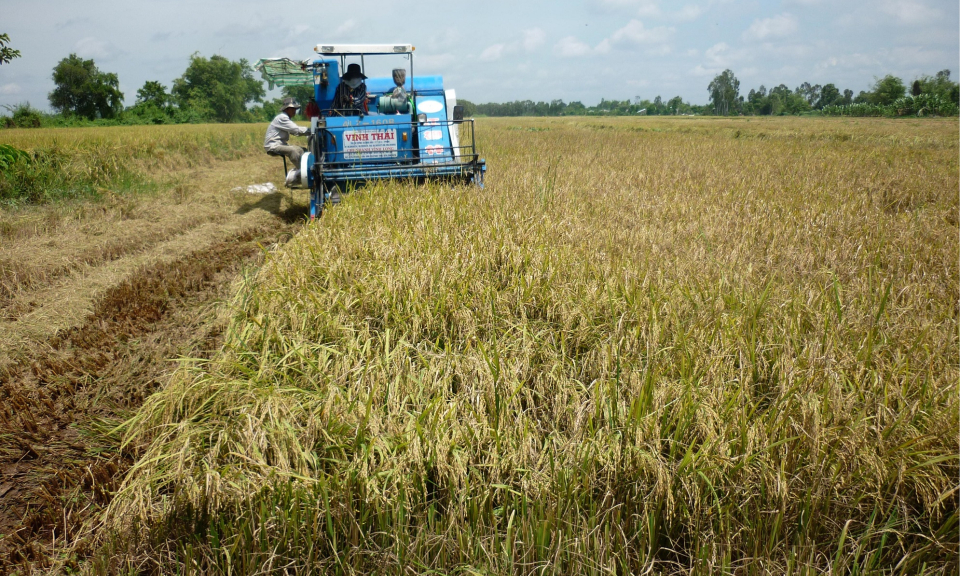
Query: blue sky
x,y
499,50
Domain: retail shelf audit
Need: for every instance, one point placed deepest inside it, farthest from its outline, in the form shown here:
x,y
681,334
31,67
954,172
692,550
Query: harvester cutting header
x,y
373,128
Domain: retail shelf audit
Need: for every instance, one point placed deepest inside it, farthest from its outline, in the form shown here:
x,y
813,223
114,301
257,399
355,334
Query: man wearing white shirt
x,y
279,132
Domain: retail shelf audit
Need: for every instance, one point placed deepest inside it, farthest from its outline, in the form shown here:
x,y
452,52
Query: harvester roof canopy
x,y
362,49
284,72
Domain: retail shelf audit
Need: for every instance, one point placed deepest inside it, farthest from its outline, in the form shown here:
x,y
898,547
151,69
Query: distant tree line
x,y
887,97
655,107
213,89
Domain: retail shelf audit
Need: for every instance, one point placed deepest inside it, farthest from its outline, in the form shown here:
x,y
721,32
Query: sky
x,y
502,50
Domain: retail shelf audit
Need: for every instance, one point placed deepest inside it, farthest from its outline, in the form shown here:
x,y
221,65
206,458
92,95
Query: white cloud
x,y
446,39
643,7
700,70
345,28
635,33
90,47
250,29
297,30
438,62
652,9
848,61
631,36
167,36
292,51
10,89
493,53
778,26
648,8
910,11
717,54
916,56
718,58
688,13
533,39
660,50
828,63
571,46
73,22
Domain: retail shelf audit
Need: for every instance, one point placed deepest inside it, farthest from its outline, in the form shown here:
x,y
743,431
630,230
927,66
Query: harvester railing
x,y
461,150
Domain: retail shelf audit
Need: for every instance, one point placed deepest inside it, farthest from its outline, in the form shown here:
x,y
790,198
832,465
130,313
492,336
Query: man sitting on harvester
x,y
351,96
279,132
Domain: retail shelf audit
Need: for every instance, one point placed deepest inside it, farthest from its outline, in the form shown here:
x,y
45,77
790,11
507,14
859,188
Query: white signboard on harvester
x,y
370,143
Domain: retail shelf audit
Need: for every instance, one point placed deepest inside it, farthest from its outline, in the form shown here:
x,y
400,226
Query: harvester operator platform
x,y
279,132
351,96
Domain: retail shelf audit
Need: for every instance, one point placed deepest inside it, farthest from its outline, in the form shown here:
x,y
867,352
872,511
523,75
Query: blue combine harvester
x,y
409,127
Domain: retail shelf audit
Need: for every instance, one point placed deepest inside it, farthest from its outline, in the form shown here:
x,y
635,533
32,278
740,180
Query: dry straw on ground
x,y
97,299
681,346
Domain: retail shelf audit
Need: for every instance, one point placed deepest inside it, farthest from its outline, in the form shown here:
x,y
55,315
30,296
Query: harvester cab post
x,y
412,127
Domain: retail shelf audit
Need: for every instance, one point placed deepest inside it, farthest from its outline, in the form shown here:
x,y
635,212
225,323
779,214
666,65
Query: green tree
x,y
216,88
829,95
302,93
153,93
940,85
780,99
576,108
153,105
757,101
809,92
22,116
675,105
658,107
84,90
724,92
887,90
7,53
469,108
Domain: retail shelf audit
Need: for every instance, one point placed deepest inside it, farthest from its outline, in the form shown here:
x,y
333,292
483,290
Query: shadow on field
x,y
290,211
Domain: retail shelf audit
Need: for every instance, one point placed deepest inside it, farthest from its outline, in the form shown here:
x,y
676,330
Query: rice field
x,y
649,346
84,163
102,287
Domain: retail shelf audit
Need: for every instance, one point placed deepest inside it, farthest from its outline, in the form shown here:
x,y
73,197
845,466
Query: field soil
x,y
97,300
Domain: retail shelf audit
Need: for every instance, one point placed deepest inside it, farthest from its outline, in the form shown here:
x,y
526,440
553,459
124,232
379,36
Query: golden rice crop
x,y
648,346
74,162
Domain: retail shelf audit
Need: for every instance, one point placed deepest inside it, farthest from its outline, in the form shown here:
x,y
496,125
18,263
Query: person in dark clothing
x,y
312,110
351,95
